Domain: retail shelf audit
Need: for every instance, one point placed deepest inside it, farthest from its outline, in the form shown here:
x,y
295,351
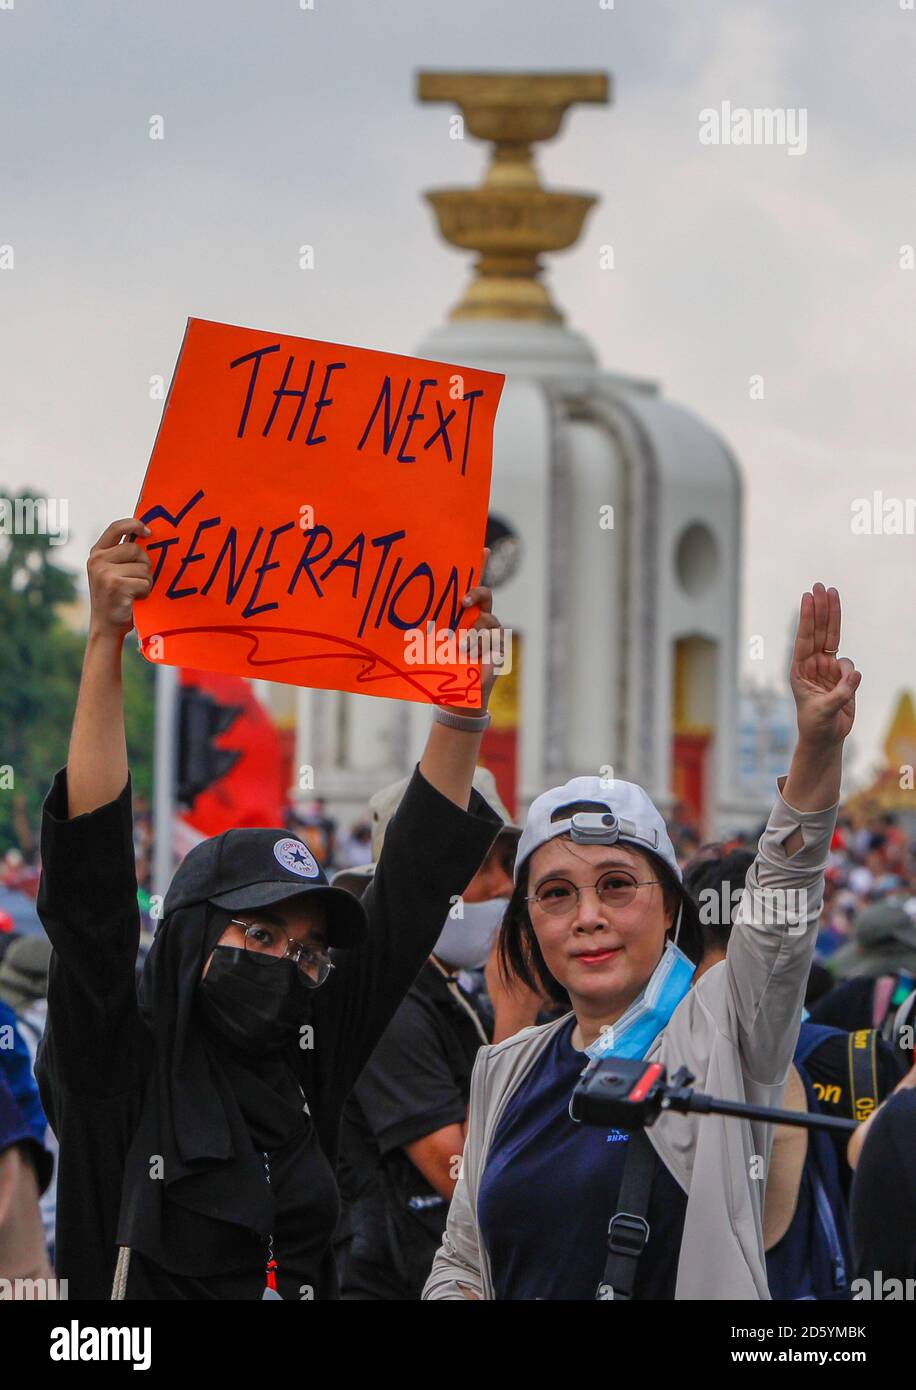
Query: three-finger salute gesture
x,y
824,685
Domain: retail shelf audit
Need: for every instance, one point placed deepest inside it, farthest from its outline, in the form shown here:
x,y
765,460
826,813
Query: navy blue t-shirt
x,y
550,1187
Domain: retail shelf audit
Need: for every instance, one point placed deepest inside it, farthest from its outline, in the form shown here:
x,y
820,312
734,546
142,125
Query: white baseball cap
x,y
623,814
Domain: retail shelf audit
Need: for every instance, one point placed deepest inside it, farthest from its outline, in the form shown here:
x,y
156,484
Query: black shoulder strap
x,y
863,1073
628,1230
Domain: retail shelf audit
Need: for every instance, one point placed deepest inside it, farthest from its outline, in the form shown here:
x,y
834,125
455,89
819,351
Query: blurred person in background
x,y
24,985
16,1067
877,971
20,872
24,1000
883,1153
8,933
311,823
840,906
143,843
356,846
25,1170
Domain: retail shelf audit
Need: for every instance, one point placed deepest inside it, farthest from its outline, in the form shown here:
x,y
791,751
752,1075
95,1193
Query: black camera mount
x,y
630,1095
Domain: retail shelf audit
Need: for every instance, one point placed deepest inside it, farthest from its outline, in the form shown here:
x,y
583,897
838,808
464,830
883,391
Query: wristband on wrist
x,y
470,723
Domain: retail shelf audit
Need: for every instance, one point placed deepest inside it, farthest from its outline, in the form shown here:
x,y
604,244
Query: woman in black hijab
x,y
198,1123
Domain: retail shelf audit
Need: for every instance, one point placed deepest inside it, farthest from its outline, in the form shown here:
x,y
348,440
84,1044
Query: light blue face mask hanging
x,y
636,1029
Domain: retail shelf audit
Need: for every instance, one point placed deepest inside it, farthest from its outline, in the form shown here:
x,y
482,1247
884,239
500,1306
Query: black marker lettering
x,y
282,390
190,557
385,543
451,584
162,547
232,584
391,578
388,429
471,396
421,569
266,564
256,358
442,428
414,415
341,560
323,402
307,559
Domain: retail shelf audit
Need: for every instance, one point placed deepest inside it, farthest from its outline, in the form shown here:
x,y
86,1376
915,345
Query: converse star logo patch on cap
x,y
294,856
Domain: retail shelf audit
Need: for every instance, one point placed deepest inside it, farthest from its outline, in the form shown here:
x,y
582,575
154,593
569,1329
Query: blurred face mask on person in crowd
x,y
465,941
472,924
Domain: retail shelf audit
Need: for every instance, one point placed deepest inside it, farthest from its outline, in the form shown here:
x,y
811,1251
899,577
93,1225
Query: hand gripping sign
x,y
311,506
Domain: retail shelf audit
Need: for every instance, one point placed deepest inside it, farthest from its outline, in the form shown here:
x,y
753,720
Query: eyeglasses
x,y
616,888
271,941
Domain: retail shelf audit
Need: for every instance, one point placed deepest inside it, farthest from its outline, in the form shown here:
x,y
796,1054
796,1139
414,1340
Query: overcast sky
x,y
286,126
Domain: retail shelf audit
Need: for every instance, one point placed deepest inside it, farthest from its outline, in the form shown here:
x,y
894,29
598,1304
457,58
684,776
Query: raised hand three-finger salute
x,y
824,687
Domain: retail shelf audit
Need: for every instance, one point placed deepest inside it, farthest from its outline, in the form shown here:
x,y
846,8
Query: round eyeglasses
x,y
271,941
615,888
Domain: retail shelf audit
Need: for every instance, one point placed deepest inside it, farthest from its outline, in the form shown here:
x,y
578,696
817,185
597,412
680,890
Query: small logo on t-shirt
x,y
297,858
616,1136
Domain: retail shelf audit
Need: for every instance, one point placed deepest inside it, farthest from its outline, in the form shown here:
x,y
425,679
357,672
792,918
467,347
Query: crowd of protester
x,y
359,1085
403,1123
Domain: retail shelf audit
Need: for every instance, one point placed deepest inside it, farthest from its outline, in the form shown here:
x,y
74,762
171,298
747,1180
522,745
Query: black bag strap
x,y
863,1073
628,1230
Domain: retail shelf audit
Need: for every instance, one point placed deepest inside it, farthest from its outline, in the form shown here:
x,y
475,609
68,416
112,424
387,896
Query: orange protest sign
x,y
313,506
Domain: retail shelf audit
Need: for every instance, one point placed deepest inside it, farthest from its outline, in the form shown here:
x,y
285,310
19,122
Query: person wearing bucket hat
x,y
599,906
198,1117
24,973
883,943
877,977
465,940
403,1124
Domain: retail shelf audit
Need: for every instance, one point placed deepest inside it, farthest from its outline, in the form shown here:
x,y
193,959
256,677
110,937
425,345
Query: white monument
x,y
615,518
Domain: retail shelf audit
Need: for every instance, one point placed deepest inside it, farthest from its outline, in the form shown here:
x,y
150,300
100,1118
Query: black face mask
x,y
257,1005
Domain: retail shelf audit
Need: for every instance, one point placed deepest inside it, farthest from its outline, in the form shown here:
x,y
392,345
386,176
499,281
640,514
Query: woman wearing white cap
x,y
599,909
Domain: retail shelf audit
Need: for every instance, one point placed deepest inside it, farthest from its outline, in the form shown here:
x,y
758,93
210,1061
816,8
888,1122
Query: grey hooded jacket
x,y
736,1030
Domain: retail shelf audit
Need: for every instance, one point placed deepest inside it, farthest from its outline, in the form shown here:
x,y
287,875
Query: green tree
x,y
42,657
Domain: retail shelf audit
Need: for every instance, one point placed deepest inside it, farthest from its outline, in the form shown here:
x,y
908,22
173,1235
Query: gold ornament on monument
x,y
510,220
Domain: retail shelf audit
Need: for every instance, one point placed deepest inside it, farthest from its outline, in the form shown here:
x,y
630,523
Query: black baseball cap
x,y
245,869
